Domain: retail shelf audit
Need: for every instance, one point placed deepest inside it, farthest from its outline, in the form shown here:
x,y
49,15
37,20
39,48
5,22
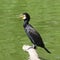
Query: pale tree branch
x,y
31,51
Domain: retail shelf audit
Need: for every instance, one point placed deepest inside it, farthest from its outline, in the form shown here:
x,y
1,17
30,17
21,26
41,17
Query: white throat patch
x,y
24,17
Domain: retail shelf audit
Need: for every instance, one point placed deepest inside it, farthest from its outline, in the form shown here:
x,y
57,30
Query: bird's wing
x,y
34,35
36,38
28,30
33,31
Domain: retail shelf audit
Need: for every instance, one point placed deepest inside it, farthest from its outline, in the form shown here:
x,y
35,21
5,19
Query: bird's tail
x,y
47,50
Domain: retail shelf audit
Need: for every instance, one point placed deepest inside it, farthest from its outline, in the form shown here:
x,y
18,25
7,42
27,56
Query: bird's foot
x,y
34,46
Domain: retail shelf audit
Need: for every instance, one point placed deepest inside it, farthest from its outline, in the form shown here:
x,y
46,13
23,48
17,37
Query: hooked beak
x,y
21,16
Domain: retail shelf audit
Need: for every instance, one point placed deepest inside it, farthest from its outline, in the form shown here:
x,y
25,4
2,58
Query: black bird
x,y
33,35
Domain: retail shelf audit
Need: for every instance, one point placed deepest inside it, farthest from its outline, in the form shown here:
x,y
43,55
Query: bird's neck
x,y
25,23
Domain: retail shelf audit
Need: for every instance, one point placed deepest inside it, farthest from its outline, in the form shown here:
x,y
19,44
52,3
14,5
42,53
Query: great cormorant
x,y
33,35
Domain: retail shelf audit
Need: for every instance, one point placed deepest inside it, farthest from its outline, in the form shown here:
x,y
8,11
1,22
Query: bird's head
x,y
25,16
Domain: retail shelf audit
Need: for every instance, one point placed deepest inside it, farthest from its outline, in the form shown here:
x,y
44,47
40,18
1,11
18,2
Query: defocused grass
x,y
45,17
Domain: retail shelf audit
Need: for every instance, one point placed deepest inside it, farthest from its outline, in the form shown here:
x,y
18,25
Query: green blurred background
x,y
45,17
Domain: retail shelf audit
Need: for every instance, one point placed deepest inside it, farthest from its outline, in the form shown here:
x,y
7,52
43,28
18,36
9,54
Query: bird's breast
x,y
27,28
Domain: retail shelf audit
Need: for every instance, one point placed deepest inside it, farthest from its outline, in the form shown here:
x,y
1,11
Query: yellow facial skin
x,y
22,16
